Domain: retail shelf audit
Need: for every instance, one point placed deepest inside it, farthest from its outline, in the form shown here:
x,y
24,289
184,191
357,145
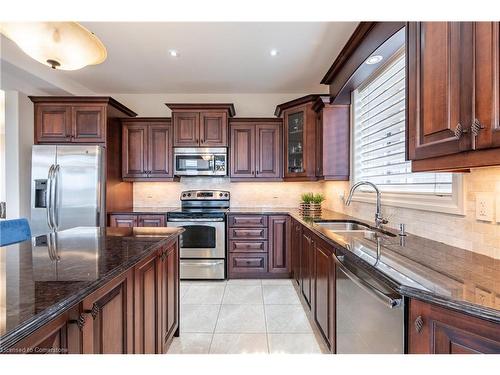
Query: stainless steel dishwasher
x,y
370,316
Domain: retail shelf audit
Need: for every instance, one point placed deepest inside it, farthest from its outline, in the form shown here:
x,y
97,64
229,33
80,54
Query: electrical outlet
x,y
484,206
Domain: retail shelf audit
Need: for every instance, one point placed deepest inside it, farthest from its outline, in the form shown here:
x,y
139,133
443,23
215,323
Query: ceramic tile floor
x,y
244,317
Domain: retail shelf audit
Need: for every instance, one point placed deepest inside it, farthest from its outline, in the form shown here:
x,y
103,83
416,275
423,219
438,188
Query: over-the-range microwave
x,y
195,161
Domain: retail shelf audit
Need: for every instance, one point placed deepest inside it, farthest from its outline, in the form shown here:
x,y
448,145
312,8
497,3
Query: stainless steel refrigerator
x,y
67,187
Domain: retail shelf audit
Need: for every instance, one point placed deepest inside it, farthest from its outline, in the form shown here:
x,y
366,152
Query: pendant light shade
x,y
61,45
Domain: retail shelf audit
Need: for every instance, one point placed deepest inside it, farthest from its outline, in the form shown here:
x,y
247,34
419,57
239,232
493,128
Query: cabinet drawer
x,y
248,246
248,233
251,263
248,221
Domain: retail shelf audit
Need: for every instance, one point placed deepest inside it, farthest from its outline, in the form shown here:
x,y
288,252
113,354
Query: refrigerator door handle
x,y
48,193
55,205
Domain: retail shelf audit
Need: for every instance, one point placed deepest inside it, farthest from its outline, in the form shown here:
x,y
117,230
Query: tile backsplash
x,y
463,231
243,194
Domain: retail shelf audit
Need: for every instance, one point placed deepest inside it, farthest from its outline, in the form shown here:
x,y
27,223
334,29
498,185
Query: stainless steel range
x,y
203,244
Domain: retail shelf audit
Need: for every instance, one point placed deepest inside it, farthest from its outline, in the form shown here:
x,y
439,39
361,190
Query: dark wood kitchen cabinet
x,y
60,336
256,149
300,126
132,220
332,140
156,301
259,246
296,244
306,265
147,153
279,245
437,330
201,125
71,119
452,82
323,298
108,318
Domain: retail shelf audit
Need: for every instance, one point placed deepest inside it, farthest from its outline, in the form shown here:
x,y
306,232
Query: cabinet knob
x,y
419,324
459,131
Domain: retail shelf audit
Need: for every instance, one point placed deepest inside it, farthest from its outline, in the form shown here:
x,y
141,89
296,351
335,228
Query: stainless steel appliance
x,y
66,187
210,161
203,244
370,316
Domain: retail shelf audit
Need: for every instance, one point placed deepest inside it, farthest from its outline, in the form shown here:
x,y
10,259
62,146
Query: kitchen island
x,y
91,290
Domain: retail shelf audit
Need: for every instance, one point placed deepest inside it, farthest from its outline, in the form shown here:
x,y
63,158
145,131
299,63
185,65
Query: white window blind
x,y
379,136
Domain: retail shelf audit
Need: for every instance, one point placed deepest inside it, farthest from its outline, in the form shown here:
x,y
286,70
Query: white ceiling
x,y
214,57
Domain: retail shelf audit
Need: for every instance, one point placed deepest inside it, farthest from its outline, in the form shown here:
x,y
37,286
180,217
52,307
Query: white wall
x,y
246,105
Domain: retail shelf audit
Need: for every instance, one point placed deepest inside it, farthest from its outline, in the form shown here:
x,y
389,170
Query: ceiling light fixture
x,y
173,53
61,45
375,59
273,52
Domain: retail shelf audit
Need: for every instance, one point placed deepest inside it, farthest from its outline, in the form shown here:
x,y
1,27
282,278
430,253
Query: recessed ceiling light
x,y
173,53
273,52
375,59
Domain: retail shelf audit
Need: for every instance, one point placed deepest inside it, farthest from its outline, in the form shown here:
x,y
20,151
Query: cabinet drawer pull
x,y
476,127
459,131
419,324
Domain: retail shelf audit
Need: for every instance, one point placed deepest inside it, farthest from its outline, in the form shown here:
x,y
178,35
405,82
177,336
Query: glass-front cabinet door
x,y
295,137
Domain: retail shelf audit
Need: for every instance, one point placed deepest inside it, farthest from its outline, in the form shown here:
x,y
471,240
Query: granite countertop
x,y
39,282
144,210
414,266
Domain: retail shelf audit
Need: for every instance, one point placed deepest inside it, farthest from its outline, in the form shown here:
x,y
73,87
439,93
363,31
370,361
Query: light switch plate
x,y
485,206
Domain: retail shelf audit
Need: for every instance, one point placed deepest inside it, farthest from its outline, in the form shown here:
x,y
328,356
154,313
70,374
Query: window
x,y
379,145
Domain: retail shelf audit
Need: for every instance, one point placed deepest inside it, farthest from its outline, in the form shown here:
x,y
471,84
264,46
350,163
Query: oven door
x,y
201,239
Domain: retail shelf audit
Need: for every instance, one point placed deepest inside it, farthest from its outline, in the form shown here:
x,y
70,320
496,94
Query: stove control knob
x,y
183,194
189,194
226,195
220,194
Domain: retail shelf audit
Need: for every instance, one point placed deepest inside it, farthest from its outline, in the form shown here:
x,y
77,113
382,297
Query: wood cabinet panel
x,y
487,84
335,138
89,123
160,151
248,233
247,265
279,238
108,316
268,150
52,123
436,330
186,129
170,295
121,220
151,221
248,246
306,263
440,78
296,246
213,129
246,221
135,150
324,291
242,151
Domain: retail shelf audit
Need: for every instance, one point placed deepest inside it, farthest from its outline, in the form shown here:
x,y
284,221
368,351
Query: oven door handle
x,y
381,296
174,220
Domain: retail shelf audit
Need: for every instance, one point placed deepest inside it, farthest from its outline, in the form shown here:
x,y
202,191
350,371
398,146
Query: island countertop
x,y
42,277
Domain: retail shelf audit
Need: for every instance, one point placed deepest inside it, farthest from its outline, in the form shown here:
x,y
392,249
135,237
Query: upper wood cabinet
x,y
200,125
332,139
436,330
60,120
256,149
147,152
300,124
452,95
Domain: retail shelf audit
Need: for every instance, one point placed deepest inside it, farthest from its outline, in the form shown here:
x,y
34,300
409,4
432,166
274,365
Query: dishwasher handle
x,y
381,296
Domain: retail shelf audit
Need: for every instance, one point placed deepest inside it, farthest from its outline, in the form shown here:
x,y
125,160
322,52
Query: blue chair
x,y
12,231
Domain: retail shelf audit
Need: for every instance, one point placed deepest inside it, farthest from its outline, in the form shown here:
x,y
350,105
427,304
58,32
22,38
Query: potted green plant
x,y
311,203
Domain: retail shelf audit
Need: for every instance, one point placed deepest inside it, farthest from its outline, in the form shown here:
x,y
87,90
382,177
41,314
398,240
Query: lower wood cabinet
x,y
131,220
259,246
296,245
136,312
323,291
108,317
306,263
436,330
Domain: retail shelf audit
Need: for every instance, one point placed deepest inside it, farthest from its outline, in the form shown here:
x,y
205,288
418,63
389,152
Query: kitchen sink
x,y
349,226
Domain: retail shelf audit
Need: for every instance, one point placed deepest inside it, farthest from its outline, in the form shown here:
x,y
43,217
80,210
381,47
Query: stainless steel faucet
x,y
379,220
